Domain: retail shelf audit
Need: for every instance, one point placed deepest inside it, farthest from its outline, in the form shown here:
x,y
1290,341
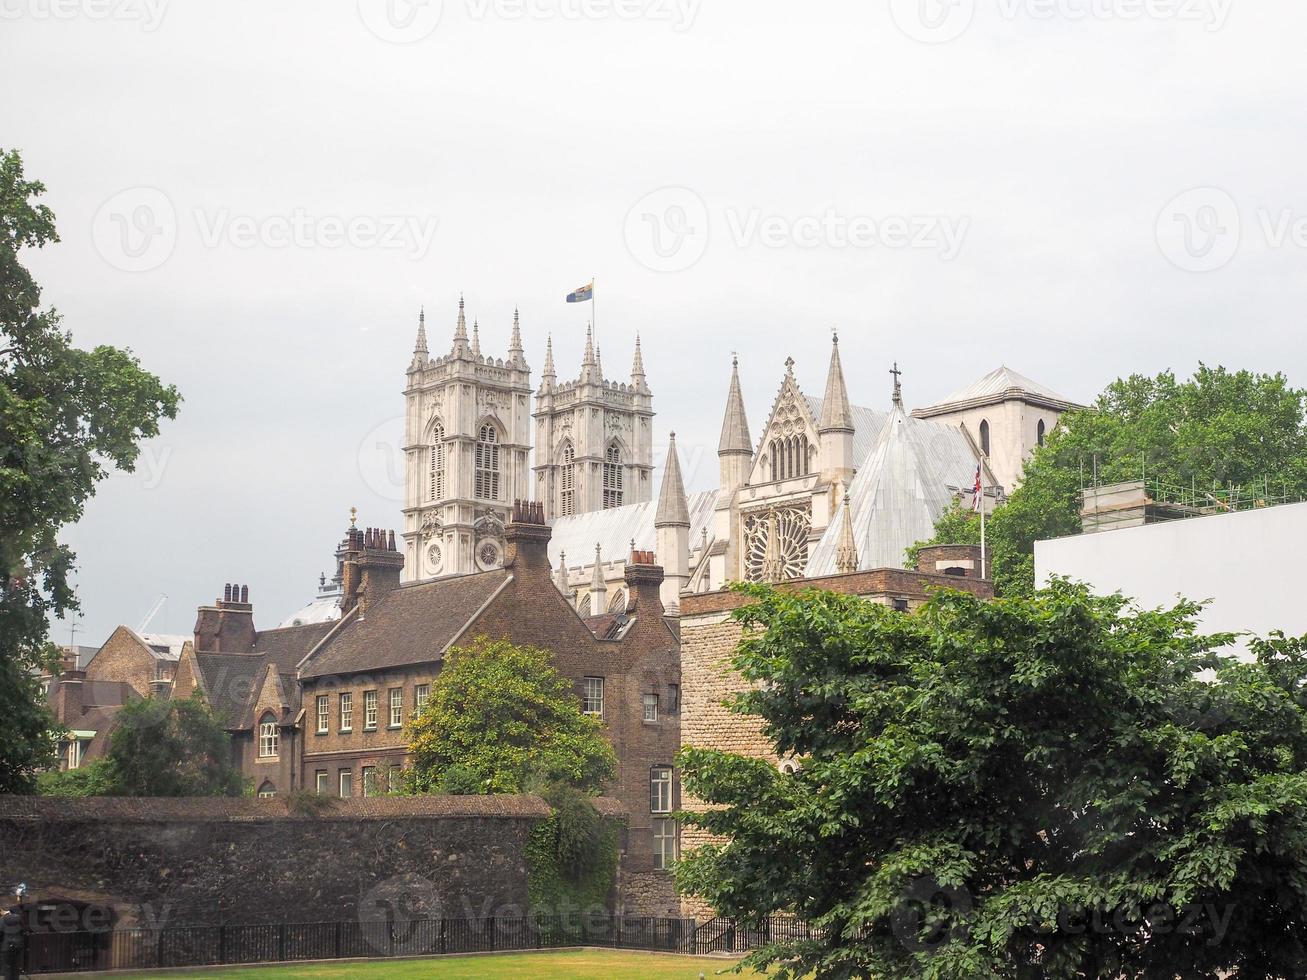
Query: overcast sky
x,y
256,198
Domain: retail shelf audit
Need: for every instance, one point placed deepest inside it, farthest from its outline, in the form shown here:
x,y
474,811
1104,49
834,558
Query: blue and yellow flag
x,y
584,294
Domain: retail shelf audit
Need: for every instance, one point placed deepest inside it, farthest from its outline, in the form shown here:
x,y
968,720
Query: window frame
x,y
346,711
395,703
345,780
436,462
673,699
322,705
486,462
666,843
567,481
321,781
421,695
368,776
650,703
269,736
661,783
588,684
370,710
612,477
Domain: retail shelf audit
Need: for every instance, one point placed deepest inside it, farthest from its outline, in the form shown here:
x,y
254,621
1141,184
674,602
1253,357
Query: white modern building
x,y
1236,561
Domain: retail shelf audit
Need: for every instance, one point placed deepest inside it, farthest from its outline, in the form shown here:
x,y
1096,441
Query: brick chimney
x,y
960,560
69,704
644,580
227,626
527,538
379,566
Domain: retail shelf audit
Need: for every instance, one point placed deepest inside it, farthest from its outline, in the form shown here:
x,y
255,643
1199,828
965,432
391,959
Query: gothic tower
x,y
594,438
467,440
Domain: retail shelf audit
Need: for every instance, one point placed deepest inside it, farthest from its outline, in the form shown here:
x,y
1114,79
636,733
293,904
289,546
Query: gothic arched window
x,y
801,454
775,461
567,482
268,736
984,436
487,468
612,477
437,462
1039,433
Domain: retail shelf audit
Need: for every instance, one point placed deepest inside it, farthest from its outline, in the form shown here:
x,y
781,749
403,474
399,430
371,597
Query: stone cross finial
x,y
898,387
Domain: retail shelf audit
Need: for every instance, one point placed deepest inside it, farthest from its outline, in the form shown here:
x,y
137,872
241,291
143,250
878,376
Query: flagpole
x,y
981,481
594,322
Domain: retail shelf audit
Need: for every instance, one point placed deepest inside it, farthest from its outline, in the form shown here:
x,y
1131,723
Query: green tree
x,y
957,525
502,719
1220,429
1036,787
65,415
157,748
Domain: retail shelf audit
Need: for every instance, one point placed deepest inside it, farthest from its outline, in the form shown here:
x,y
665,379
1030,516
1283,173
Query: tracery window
x,y
487,463
567,482
789,457
776,544
612,478
436,486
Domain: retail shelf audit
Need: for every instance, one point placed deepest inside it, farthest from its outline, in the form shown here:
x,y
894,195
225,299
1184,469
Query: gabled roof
x,y
906,482
615,528
1001,384
231,681
413,624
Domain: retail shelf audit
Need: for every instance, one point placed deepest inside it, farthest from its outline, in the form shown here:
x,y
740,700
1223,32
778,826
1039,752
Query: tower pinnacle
x,y
735,425
836,415
637,367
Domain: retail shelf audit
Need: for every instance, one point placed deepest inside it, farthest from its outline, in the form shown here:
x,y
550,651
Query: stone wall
x,y
210,861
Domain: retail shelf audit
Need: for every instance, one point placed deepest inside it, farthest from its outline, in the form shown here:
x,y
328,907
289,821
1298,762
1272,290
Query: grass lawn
x,y
582,964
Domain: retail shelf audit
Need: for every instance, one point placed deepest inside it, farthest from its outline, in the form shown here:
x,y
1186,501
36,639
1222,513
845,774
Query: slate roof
x,y
613,530
906,482
323,609
1000,384
413,624
867,423
232,680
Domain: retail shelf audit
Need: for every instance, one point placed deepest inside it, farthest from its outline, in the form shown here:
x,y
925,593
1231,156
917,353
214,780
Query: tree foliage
x,y
957,525
500,719
1218,430
65,415
1041,786
157,748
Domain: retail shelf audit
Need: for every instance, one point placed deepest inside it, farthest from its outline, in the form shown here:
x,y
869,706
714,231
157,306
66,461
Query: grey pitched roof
x,y
232,680
673,508
614,530
412,624
735,424
867,423
836,415
907,481
1001,384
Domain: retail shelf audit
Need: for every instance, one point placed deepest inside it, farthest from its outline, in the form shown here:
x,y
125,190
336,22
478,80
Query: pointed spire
x,y
735,425
460,330
836,415
476,339
515,342
599,365
673,507
598,588
547,374
420,352
637,367
846,553
589,357
560,577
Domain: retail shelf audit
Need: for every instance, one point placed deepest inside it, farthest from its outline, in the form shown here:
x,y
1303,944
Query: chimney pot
x,y
245,593
226,592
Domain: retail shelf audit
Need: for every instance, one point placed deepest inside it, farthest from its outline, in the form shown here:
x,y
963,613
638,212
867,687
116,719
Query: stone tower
x,y
467,440
594,438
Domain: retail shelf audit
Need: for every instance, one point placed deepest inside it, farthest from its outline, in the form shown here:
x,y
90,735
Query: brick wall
x,y
708,640
207,861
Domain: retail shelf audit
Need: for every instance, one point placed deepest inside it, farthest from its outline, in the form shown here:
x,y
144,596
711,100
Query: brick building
x,y
709,637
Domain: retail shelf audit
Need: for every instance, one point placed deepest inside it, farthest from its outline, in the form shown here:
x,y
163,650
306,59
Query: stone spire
x,y
637,368
673,508
476,339
589,363
598,589
560,577
836,416
735,426
515,350
547,374
846,554
420,352
460,331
